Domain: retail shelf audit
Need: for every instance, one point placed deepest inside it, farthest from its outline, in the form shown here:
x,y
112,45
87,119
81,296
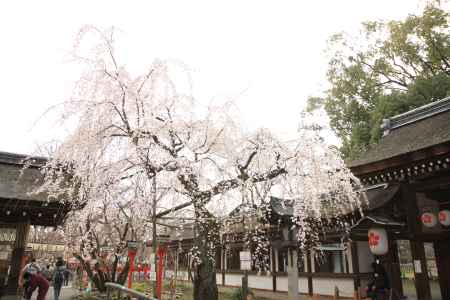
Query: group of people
x,y
34,278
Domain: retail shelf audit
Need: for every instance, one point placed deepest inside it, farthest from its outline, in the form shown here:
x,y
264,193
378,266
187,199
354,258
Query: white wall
x,y
325,286
233,279
182,275
282,283
219,278
263,282
303,285
365,257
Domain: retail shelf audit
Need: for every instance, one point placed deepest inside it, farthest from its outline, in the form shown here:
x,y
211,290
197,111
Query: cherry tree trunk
x,y
205,285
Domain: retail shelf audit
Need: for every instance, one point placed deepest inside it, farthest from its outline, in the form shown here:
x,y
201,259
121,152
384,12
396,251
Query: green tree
x,y
392,67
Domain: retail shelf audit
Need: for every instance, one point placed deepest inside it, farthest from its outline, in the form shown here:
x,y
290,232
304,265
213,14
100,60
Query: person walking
x,y
32,268
47,273
33,282
58,279
378,288
67,274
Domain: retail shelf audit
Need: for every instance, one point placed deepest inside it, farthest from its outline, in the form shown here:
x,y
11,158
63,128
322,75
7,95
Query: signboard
x,y
246,260
132,245
246,265
3,255
417,267
152,276
169,274
107,249
7,235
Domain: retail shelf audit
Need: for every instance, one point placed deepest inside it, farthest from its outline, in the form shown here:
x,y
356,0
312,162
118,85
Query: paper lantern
x,y
428,219
378,241
444,217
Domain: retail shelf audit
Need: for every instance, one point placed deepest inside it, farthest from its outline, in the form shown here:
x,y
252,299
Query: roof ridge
x,y
20,159
415,115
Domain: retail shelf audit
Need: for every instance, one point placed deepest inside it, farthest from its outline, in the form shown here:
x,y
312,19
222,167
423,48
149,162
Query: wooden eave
x,y
38,213
409,165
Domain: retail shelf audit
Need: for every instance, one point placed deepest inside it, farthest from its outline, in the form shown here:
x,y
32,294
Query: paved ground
x,y
67,293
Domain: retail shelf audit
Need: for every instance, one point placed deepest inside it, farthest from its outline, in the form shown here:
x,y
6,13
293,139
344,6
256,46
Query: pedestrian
x,y
80,277
67,274
378,288
58,278
47,273
32,268
33,282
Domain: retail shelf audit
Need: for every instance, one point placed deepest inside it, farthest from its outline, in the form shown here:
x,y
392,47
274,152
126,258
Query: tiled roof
x,y
415,130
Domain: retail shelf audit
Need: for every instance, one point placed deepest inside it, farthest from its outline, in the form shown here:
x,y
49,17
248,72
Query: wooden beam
x,y
409,200
442,253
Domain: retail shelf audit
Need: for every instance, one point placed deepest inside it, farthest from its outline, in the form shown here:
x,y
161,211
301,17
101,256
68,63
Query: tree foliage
x,y
392,67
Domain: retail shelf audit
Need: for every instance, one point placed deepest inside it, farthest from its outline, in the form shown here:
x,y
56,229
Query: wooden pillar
x,y
22,230
393,266
274,268
421,282
421,279
355,267
223,265
442,253
309,271
292,275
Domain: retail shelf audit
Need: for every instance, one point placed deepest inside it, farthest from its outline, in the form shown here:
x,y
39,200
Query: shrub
x,y
239,295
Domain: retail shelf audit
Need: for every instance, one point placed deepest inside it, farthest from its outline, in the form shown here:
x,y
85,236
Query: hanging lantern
x,y
378,241
444,217
428,219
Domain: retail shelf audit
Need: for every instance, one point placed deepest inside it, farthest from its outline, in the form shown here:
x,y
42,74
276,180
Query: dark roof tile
x,y
419,131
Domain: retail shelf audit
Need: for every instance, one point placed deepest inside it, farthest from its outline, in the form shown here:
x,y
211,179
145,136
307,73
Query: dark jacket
x,y
380,279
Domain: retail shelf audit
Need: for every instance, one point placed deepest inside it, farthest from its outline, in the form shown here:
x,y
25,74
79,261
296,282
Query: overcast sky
x,y
266,55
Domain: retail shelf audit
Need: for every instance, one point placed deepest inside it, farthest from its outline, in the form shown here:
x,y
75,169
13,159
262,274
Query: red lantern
x,y
444,217
378,241
428,219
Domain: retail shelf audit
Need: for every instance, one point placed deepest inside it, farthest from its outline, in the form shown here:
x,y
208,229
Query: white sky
x,y
266,55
